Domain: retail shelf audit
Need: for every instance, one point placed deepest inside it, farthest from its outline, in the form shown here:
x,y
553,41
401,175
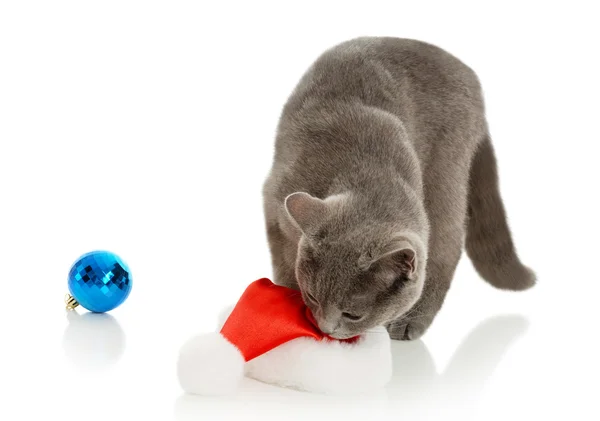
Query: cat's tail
x,y
489,241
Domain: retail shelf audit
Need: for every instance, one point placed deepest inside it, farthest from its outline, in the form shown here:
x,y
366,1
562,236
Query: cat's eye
x,y
350,316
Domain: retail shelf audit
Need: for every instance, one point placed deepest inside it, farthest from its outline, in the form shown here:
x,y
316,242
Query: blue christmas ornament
x,y
99,281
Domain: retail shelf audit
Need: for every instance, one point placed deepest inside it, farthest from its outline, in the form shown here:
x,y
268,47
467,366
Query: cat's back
x,y
387,65
428,88
397,53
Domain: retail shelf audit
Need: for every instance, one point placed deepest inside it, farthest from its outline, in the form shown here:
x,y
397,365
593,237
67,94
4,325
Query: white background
x,y
146,128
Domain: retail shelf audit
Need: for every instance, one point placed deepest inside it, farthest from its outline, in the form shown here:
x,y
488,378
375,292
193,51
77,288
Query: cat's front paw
x,y
402,330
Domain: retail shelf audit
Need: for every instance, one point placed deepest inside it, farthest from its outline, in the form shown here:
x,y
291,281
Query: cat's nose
x,y
327,332
326,327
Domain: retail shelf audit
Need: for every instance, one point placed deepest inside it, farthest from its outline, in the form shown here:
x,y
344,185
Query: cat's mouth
x,y
344,338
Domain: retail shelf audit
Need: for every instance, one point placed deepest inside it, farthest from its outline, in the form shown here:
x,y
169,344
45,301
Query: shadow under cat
x,y
416,388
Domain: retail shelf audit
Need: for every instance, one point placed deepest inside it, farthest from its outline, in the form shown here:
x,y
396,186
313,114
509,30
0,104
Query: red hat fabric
x,y
271,336
266,316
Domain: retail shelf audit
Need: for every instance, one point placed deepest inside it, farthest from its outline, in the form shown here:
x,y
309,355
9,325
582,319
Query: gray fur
x,y
382,160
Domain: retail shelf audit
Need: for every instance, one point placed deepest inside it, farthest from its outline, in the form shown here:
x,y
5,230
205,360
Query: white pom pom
x,y
210,365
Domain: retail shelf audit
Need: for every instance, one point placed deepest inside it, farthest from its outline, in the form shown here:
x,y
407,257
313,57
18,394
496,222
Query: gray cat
x,y
383,167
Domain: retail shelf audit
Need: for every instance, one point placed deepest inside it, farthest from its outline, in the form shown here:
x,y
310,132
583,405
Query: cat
x,y
383,170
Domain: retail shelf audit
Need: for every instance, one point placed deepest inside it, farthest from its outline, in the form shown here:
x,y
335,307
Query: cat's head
x,y
354,273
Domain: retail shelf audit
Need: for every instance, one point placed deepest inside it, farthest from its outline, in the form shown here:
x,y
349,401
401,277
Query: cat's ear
x,y
398,256
304,210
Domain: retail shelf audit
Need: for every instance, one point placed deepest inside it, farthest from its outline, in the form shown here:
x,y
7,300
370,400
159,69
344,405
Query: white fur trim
x,y
329,367
209,364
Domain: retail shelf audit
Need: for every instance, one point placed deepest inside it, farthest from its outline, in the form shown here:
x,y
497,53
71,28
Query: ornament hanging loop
x,y
70,302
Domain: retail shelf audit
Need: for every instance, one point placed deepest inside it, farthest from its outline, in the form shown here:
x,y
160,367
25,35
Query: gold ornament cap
x,y
71,302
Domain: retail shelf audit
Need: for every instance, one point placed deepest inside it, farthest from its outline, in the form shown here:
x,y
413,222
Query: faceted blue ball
x,y
100,281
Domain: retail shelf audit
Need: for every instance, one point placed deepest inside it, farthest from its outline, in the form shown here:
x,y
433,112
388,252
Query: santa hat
x,y
270,335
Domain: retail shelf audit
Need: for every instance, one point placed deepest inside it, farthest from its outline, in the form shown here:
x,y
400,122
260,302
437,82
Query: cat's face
x,y
355,276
